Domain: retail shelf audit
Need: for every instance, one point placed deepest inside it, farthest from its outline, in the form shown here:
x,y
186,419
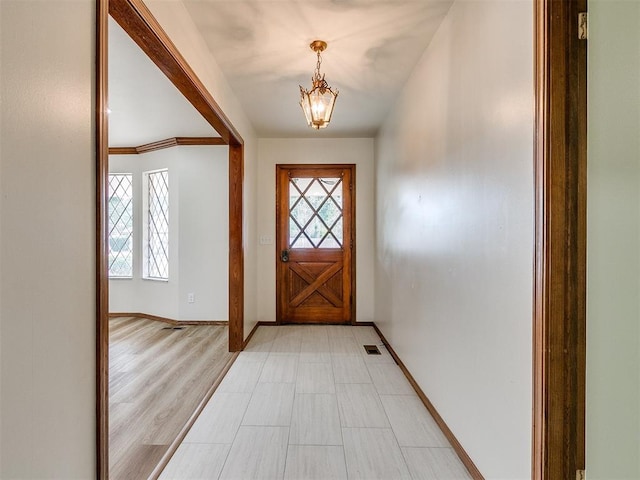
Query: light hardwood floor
x,y
306,402
157,378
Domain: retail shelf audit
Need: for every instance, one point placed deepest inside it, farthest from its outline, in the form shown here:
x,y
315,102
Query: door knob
x,y
284,256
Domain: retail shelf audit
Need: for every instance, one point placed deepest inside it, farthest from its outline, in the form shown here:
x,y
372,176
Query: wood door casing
x,y
560,319
317,283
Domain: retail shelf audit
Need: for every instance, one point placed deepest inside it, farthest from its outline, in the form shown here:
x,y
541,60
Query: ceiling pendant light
x,y
317,103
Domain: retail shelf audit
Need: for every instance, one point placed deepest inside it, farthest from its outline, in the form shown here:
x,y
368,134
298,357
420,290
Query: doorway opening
x,y
135,18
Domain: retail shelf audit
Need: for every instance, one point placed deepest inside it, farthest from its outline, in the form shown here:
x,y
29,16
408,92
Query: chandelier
x,y
317,103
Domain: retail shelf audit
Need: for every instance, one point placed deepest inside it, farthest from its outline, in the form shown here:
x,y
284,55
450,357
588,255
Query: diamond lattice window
x,y
315,213
157,257
120,225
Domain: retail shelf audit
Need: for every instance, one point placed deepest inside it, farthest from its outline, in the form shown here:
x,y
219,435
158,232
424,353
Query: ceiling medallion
x,y
317,103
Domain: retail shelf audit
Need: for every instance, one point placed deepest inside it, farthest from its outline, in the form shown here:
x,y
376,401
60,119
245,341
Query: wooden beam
x,y
560,248
236,248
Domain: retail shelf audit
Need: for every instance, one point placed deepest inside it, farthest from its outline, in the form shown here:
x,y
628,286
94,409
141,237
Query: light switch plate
x,y
266,240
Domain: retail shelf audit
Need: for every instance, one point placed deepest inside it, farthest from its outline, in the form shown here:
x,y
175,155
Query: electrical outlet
x,y
191,297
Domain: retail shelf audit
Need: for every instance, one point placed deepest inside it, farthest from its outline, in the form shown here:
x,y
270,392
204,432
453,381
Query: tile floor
x,y
306,402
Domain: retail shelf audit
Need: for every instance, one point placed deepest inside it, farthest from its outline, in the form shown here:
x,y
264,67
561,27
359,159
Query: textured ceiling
x,y
263,49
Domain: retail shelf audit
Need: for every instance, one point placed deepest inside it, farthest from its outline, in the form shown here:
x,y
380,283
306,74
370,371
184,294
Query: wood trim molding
x,y
199,141
354,242
123,151
136,19
166,143
560,242
170,321
102,281
166,458
455,444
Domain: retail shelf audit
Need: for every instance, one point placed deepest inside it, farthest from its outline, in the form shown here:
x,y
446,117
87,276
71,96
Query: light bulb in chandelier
x,y
317,103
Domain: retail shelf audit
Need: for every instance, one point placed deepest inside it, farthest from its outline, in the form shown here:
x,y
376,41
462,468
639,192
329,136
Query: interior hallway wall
x,y
358,151
198,235
176,21
47,251
1,141
613,241
455,230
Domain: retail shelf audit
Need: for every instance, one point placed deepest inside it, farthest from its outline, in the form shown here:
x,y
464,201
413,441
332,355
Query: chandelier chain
x,y
318,66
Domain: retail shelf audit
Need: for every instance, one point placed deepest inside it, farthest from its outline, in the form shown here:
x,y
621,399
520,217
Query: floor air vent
x,y
371,350
173,328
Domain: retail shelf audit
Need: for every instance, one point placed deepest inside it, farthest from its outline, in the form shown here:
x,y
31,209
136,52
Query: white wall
x,y
198,235
455,230
204,233
358,151
613,241
178,24
1,142
47,315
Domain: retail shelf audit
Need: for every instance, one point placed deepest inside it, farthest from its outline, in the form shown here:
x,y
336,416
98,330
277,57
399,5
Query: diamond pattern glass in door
x,y
315,212
315,243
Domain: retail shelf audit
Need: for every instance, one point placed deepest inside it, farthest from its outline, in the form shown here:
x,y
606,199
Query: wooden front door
x,y
315,243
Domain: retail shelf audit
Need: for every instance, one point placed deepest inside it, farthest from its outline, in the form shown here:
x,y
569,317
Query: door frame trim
x,y
144,29
352,168
559,317
102,269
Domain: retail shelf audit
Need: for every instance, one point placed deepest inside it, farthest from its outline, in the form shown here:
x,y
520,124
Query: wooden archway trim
x,y
560,242
102,268
144,29
136,19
